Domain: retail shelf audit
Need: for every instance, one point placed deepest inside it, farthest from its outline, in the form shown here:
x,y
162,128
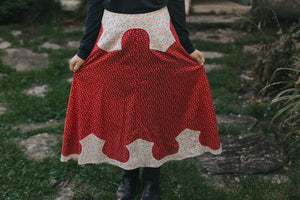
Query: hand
x,y
75,63
198,57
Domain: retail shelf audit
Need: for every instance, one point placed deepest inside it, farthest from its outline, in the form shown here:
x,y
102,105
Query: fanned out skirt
x,y
139,100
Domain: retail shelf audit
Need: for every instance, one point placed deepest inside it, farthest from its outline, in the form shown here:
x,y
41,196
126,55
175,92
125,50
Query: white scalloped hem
x,y
140,151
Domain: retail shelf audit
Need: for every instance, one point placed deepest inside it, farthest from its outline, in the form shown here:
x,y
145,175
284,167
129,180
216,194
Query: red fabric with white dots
x,y
139,93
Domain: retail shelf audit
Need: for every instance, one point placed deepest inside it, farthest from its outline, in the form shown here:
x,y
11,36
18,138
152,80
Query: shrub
x,y
284,62
259,17
44,12
82,10
13,11
30,11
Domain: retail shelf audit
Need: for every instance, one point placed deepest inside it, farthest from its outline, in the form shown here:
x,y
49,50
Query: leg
x,y
128,187
151,183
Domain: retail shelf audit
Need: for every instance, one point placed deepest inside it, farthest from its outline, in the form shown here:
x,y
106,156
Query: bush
x,y
13,11
283,79
259,17
30,11
44,12
82,10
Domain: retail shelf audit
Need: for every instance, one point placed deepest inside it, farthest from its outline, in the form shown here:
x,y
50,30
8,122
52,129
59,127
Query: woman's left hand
x,y
198,57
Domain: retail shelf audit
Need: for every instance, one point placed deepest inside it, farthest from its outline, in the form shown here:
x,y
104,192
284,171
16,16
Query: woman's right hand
x,y
75,63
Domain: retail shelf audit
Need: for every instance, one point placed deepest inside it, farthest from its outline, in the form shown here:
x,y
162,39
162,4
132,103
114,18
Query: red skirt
x,y
139,100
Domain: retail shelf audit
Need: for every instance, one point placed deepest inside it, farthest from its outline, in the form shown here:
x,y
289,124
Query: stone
x,y
23,59
66,190
48,45
37,90
212,54
70,5
218,35
70,80
16,33
2,75
246,76
35,126
2,109
276,178
209,19
218,7
73,44
236,120
209,67
250,48
4,44
39,146
244,154
187,6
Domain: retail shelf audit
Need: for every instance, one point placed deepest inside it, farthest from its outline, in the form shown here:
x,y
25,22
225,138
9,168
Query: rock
x,y
70,5
66,190
276,178
73,44
4,44
246,76
2,75
187,6
35,126
48,45
218,35
238,121
70,80
72,28
39,146
209,67
209,19
23,59
244,154
218,7
250,48
37,90
2,109
16,33
212,54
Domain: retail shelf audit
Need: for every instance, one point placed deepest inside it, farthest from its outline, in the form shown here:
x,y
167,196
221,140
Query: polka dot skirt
x,y
139,100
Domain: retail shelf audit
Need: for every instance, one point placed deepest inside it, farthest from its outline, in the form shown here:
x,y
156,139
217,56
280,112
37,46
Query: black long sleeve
x,y
92,27
96,8
177,13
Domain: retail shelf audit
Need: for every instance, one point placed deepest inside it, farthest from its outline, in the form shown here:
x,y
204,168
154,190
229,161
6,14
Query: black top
x,y
96,8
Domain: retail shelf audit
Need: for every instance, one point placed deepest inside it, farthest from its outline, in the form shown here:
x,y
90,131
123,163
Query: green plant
x,y
285,81
30,11
13,11
82,10
44,12
259,17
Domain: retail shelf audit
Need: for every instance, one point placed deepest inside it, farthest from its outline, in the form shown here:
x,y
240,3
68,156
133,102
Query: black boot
x,y
151,184
128,187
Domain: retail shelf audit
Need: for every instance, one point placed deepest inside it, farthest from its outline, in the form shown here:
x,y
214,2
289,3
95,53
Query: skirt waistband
x,y
157,24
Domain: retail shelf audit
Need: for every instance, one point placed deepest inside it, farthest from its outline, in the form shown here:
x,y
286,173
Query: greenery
x,y
259,18
279,69
30,11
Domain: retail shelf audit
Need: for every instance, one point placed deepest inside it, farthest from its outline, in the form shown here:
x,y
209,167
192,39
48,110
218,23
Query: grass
x,y
22,178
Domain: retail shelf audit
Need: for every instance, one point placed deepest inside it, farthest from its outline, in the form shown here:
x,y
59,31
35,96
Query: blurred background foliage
x,y
30,11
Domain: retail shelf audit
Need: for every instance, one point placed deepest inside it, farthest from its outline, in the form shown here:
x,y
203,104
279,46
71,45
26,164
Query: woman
x,y
140,96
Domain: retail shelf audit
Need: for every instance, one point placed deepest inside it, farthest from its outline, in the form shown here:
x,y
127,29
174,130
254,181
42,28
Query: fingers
x,y
72,65
75,63
198,57
201,59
